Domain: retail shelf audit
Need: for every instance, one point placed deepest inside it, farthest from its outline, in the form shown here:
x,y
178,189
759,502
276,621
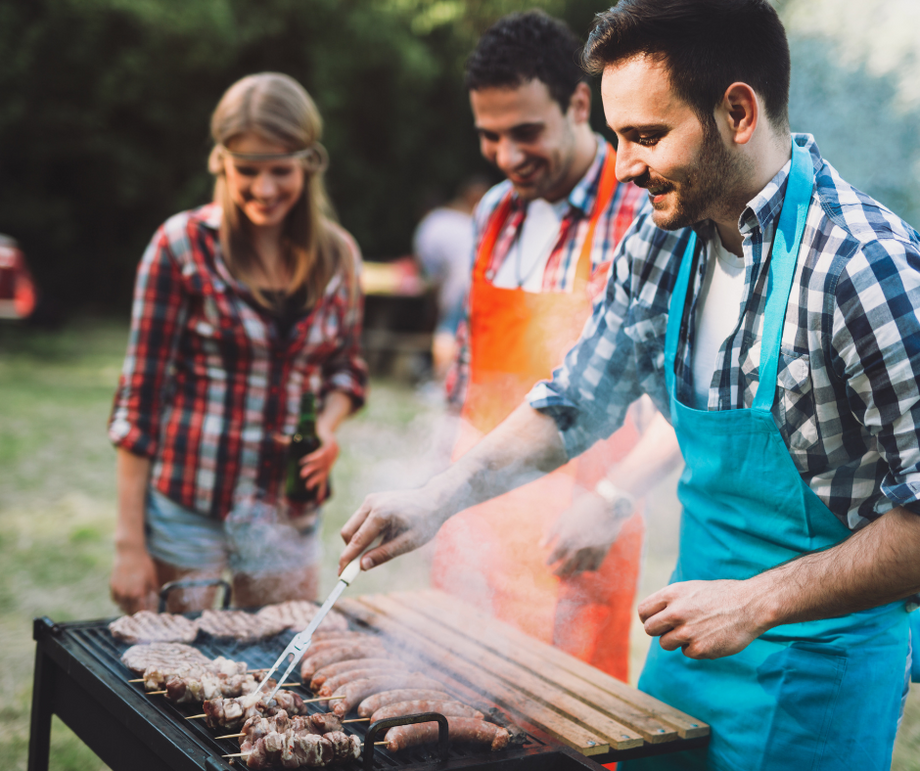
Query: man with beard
x,y
772,311
543,242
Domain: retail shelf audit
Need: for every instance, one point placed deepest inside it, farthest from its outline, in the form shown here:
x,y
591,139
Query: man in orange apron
x,y
543,245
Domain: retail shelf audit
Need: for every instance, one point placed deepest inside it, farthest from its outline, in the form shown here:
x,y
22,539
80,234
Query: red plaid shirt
x,y
559,275
207,383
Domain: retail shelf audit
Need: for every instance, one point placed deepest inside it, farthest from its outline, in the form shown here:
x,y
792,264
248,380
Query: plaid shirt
x,y
207,383
559,275
848,388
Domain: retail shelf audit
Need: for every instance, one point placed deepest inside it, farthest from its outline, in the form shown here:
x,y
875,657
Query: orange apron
x,y
490,554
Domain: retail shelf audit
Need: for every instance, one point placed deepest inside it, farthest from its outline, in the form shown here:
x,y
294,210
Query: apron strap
x,y
605,189
676,310
783,259
487,244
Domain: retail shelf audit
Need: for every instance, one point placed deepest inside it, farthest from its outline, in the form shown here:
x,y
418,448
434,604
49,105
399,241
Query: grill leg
x,y
42,694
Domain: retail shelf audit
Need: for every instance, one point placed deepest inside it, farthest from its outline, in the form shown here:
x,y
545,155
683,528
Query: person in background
x,y
772,311
240,307
544,240
443,244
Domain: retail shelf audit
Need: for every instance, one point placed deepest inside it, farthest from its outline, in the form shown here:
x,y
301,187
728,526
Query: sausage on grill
x,y
447,708
358,690
321,676
326,656
462,729
334,683
372,703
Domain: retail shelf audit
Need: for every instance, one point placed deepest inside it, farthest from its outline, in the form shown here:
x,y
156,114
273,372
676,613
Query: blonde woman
x,y
240,307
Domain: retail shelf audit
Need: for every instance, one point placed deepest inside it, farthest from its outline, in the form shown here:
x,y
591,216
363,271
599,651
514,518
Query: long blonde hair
x,y
278,109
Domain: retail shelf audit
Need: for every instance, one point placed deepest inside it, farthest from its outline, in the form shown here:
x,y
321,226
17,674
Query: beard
x,y
712,189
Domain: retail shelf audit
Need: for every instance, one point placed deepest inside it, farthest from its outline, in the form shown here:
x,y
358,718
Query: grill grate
x,y
95,639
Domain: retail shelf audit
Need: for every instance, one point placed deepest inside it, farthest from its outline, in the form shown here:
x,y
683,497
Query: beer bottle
x,y
303,443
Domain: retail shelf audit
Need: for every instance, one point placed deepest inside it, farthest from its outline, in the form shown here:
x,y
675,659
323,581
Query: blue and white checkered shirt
x,y
848,387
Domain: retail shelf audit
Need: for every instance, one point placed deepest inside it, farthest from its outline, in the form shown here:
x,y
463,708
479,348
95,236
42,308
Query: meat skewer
x,y
255,726
157,675
195,690
295,748
232,712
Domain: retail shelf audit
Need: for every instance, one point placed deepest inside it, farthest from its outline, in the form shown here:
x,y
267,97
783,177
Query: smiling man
x,y
772,311
544,239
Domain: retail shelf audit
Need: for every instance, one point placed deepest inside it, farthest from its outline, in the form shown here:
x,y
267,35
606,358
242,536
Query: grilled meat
x,y
146,626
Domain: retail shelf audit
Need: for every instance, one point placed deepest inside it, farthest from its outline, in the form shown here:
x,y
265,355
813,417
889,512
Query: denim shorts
x,y
258,540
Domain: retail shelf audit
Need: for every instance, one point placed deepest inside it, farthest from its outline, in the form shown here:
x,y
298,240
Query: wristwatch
x,y
619,502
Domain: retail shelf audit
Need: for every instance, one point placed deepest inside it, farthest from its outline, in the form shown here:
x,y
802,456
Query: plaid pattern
x,y
848,387
559,275
207,384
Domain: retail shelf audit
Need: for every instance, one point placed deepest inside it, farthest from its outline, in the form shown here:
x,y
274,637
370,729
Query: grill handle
x,y
382,726
188,583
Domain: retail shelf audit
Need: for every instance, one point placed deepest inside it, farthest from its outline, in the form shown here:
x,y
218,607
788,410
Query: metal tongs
x,y
298,646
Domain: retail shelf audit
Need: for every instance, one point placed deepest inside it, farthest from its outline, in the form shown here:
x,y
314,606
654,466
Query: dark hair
x,y
521,47
706,45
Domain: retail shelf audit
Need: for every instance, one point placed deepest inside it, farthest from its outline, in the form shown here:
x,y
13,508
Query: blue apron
x,y
818,695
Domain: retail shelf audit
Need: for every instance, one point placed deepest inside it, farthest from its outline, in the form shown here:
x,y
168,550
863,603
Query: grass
x,y
57,493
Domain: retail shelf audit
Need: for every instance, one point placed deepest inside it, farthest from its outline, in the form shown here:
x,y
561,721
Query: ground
x,y
57,508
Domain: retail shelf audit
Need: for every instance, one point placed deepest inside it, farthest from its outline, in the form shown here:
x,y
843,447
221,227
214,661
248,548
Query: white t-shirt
x,y
526,260
717,312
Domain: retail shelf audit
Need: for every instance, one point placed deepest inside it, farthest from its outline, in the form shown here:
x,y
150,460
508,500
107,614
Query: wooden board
x,y
463,618
573,702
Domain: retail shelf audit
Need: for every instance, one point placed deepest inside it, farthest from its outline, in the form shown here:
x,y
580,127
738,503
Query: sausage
x,y
334,683
448,708
349,665
357,690
462,729
322,658
341,638
372,703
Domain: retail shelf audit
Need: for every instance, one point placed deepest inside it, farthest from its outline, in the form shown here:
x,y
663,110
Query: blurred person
x,y
544,239
772,311
443,243
18,294
240,307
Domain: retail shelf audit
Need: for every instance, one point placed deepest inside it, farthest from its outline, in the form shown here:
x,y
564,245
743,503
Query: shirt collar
x,y
763,210
211,215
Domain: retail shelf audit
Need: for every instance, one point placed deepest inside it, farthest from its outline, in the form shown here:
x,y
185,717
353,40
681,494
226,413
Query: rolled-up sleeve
x,y
876,350
157,312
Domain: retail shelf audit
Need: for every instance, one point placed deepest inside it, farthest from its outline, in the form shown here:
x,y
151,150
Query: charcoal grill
x,y
80,678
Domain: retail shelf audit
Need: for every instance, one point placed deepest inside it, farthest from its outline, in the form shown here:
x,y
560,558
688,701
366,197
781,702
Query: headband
x,y
315,157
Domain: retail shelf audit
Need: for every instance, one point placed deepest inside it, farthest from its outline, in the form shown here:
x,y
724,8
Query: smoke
x,y
856,88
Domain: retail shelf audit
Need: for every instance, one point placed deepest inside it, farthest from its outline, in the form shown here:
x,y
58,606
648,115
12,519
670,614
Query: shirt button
x,y
490,274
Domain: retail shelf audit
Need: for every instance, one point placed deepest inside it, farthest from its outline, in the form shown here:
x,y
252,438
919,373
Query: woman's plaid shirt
x,y
848,388
207,384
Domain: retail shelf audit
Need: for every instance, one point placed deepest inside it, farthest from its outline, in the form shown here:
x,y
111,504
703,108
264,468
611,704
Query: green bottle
x,y
303,443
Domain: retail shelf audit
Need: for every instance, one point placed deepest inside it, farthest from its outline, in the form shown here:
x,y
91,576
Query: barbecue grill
x,y
79,677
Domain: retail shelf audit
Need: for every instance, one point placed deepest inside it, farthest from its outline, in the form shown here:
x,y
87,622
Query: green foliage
x,y
105,109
